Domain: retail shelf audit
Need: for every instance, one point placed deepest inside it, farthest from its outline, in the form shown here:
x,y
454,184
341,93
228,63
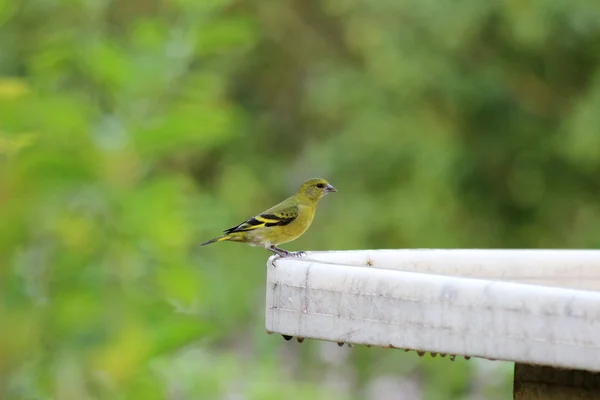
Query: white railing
x,y
528,306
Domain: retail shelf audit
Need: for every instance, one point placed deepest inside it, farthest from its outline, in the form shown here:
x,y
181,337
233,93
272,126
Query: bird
x,y
281,223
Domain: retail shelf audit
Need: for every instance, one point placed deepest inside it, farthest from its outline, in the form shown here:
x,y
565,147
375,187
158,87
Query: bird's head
x,y
314,189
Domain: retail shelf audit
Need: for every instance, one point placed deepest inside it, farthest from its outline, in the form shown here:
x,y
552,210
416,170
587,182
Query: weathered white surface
x,y
577,269
370,298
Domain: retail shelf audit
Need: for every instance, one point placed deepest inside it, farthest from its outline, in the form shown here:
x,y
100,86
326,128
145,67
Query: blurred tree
x,y
130,131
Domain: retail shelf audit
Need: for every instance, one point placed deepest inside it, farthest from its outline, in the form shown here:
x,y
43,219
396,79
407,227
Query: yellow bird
x,y
282,223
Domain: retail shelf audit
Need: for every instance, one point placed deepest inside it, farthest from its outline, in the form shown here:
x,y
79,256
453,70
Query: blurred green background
x,y
132,130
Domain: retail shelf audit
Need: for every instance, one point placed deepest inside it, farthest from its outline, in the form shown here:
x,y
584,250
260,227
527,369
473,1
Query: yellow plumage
x,y
282,223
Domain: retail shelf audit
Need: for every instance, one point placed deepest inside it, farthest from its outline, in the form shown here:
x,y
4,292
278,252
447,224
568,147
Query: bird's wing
x,y
276,216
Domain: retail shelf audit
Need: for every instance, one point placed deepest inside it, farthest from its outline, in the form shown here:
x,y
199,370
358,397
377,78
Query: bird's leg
x,y
284,253
280,252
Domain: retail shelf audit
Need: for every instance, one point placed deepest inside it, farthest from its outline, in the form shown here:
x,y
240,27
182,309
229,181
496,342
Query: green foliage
x,y
132,131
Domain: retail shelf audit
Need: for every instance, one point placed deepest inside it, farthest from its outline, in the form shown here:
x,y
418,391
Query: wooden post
x,y
533,382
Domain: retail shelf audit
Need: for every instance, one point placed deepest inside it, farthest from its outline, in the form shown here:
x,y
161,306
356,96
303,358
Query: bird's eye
x,y
320,185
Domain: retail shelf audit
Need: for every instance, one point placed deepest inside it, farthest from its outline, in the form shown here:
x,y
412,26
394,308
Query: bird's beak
x,y
330,189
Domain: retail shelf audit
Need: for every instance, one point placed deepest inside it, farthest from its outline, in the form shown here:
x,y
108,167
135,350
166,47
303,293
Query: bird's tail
x,y
218,239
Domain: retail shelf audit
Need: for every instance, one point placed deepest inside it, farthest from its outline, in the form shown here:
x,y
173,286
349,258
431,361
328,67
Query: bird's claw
x,y
293,254
290,254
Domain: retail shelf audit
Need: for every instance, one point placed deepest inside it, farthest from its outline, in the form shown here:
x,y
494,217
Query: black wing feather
x,y
261,220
